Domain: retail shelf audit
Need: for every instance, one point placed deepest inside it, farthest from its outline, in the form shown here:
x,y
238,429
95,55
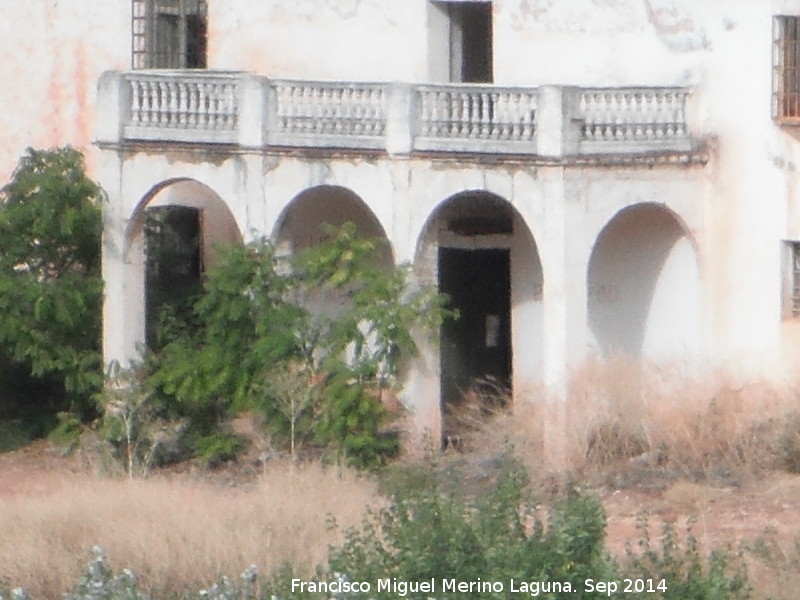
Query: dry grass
x,y
177,534
623,415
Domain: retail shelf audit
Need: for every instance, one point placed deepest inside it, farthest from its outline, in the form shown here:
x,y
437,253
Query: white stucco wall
x,y
724,276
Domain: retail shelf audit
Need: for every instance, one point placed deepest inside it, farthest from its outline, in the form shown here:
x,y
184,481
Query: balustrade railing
x,y
237,108
183,106
329,114
476,118
640,118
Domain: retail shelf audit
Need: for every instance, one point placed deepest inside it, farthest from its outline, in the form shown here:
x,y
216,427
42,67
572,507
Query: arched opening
x,y
644,286
175,236
479,251
307,222
303,222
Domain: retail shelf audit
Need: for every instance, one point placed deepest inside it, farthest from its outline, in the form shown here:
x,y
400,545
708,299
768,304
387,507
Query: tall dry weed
x,y
177,534
620,412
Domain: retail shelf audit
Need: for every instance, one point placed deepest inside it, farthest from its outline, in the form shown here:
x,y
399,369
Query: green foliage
x,y
721,576
67,433
50,284
259,338
244,325
218,447
431,534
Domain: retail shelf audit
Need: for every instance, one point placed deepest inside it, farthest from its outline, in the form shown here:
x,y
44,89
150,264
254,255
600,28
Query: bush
x,y
50,283
433,533
256,340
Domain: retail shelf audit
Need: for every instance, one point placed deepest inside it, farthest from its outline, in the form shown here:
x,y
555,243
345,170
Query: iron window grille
x,y
169,34
786,69
795,278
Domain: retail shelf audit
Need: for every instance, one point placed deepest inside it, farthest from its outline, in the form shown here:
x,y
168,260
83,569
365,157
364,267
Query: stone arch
x,y
198,219
476,244
643,286
300,225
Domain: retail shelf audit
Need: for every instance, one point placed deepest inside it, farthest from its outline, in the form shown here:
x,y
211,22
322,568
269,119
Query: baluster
x,y
515,126
181,101
467,115
161,104
207,105
172,104
610,101
293,108
453,123
526,117
283,95
304,113
136,103
426,112
432,100
234,99
661,115
591,118
485,114
193,92
681,115
498,116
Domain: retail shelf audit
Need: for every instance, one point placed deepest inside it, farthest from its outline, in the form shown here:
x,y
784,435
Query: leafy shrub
x,y
217,447
688,574
256,340
50,283
436,532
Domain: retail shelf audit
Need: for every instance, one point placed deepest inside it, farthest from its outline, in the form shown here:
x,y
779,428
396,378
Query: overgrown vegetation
x,y
50,284
259,338
437,533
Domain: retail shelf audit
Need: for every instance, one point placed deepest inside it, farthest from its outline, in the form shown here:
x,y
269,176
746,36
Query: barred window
x,y
786,69
791,279
169,34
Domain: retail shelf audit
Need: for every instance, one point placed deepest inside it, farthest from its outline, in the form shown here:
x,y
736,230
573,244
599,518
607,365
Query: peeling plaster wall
x,y
361,40
52,53
737,208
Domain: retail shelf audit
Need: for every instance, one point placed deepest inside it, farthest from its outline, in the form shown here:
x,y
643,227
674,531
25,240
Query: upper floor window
x,y
169,34
791,279
460,41
786,69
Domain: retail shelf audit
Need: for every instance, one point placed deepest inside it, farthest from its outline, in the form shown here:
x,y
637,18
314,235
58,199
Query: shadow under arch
x,y
643,285
301,223
173,237
477,248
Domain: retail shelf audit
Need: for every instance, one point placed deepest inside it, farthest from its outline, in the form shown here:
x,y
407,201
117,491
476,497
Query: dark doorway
x,y
475,348
174,264
471,42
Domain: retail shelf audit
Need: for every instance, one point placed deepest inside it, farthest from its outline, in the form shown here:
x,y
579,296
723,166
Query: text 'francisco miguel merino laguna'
x,y
433,586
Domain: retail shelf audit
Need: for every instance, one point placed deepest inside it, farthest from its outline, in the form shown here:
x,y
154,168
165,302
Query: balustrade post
x,y
557,134
400,118
253,107
113,107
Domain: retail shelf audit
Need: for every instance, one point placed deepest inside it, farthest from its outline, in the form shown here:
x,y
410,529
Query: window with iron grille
x,y
791,279
169,34
786,69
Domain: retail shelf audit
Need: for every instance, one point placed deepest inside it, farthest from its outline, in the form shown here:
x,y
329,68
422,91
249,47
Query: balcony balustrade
x,y
182,106
211,107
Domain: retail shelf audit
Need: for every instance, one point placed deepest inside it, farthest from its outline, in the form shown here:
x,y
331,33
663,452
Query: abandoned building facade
x,y
583,178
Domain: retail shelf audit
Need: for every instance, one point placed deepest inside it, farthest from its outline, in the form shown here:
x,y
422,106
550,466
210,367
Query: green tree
x,y
50,282
260,338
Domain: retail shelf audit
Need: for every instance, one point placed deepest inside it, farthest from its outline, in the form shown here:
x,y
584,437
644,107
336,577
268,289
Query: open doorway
x,y
174,268
461,42
475,348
